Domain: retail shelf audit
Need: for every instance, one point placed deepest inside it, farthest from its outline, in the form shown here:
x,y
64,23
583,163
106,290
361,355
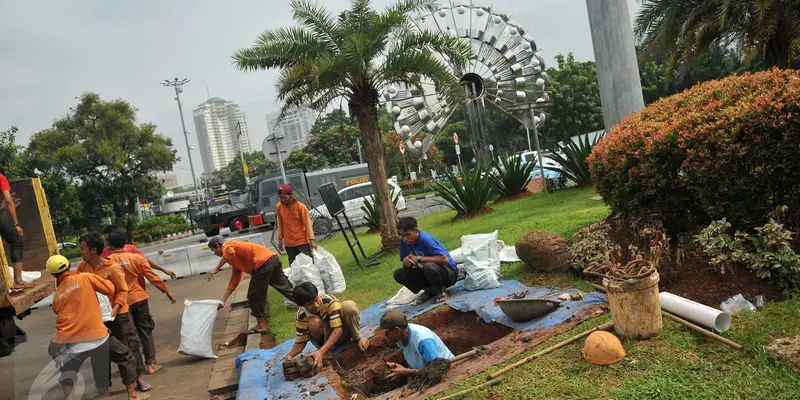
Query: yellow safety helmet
x,y
57,264
602,348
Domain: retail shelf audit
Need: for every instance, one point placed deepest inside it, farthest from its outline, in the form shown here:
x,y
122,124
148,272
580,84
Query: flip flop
x,y
143,386
253,331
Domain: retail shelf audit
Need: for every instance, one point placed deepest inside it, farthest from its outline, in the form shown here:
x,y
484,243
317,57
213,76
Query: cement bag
x,y
197,328
458,255
105,307
405,297
481,261
329,271
286,302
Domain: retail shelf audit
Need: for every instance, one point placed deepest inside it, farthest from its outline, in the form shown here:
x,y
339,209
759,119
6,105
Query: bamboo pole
x,y
701,330
460,394
606,326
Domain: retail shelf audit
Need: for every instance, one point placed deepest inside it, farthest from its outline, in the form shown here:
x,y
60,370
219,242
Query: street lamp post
x,y
177,84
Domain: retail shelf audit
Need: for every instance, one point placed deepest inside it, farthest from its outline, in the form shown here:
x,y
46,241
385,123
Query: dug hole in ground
x,y
364,375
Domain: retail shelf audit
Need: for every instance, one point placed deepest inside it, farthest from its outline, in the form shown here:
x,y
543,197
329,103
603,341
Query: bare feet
x,y
23,285
363,344
153,368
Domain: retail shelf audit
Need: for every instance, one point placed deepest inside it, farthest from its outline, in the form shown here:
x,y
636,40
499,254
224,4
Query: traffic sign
x,y
402,149
458,150
455,137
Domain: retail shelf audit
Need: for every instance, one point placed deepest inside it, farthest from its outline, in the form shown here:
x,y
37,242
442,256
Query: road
x,y
183,377
414,207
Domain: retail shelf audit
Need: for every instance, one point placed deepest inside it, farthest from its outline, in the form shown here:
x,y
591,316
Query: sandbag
x,y
286,302
481,261
105,307
304,270
330,271
458,255
197,328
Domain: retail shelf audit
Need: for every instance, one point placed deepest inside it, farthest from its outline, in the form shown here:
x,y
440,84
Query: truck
x,y
257,206
39,244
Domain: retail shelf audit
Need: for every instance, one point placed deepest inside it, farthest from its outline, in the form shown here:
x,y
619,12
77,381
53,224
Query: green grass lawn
x,y
678,364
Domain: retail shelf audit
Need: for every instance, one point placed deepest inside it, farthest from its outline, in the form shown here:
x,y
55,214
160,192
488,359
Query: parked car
x,y
66,245
353,198
530,157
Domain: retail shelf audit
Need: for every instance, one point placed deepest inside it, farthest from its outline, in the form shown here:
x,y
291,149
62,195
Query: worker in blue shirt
x,y
419,344
427,265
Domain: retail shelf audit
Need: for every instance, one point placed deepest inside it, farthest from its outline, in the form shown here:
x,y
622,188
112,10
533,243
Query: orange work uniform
x,y
114,273
136,269
294,224
244,257
78,317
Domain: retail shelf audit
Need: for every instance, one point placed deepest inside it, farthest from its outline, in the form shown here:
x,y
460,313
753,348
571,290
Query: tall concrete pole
x,y
615,55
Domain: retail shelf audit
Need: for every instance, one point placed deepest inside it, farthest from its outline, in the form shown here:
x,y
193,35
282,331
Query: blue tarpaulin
x,y
260,371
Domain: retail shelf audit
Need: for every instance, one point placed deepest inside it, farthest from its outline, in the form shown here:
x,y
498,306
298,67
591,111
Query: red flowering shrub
x,y
723,149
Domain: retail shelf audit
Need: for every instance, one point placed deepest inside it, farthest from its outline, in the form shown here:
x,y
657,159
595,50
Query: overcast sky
x,y
53,51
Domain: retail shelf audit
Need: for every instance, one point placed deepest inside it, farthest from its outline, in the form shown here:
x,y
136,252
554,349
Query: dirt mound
x,y
544,251
786,350
461,331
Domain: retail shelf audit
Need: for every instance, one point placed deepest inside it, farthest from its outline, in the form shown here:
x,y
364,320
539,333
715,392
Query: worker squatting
x,y
125,335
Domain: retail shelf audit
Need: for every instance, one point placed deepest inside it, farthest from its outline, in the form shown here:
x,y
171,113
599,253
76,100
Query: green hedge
x,y
723,149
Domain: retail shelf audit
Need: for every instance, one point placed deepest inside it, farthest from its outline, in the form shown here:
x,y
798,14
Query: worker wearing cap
x,y
11,231
121,324
419,344
326,322
136,270
80,330
262,264
129,248
295,231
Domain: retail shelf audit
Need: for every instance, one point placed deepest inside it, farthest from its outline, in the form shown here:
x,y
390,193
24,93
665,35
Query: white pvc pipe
x,y
704,315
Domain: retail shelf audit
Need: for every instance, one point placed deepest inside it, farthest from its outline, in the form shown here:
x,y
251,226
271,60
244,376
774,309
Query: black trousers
x,y
101,358
434,278
144,324
9,234
123,330
268,274
295,251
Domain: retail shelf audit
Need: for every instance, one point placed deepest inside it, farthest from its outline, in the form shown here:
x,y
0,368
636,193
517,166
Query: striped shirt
x,y
331,314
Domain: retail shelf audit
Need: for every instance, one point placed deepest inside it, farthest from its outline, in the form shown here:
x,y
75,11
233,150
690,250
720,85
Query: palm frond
x,y
315,17
514,175
468,195
280,48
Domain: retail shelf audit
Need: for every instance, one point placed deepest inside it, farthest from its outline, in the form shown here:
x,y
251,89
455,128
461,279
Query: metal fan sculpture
x,y
506,72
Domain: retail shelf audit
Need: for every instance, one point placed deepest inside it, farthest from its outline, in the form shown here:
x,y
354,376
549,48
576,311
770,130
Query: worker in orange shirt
x,y
121,325
136,270
260,262
295,231
80,330
132,249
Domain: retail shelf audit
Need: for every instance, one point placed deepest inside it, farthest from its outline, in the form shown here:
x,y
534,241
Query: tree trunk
x,y
132,204
367,115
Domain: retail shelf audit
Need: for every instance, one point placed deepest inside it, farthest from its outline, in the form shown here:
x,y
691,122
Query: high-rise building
x,y
296,125
216,124
170,181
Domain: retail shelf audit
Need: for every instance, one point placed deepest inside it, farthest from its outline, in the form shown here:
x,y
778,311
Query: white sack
x,y
303,270
458,256
330,271
27,276
197,328
105,307
286,302
405,296
481,261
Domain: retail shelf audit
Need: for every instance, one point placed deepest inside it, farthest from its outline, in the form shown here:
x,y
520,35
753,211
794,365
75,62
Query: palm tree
x,y
351,57
682,29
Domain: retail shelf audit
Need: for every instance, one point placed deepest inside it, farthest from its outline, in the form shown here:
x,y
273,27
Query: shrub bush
x,y
159,227
419,186
723,149
372,215
573,163
594,246
768,253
